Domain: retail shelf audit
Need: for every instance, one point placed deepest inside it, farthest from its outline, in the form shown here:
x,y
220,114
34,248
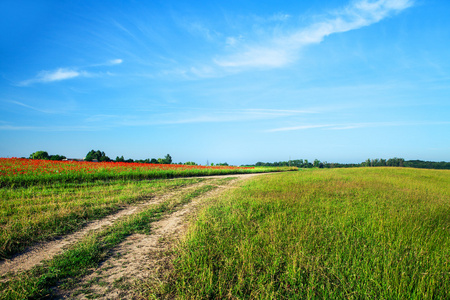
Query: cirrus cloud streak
x,y
281,50
61,74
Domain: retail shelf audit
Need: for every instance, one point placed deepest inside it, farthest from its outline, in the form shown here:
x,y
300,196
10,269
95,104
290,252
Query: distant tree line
x,y
166,160
378,162
293,163
300,163
427,164
100,156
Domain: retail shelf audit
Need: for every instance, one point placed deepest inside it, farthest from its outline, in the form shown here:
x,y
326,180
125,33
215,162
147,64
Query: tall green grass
x,y
66,269
43,212
366,233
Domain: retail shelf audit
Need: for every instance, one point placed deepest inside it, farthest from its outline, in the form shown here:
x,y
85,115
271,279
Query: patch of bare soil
x,y
140,257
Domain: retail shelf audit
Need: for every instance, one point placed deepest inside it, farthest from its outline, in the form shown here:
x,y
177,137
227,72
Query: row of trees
x,y
101,156
377,162
300,163
166,160
44,155
427,164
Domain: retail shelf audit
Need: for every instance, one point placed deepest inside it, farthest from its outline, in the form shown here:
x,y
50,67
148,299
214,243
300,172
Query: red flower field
x,y
22,171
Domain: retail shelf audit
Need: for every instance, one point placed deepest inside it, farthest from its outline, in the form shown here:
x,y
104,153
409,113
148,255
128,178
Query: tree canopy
x,y
39,155
96,155
377,162
44,155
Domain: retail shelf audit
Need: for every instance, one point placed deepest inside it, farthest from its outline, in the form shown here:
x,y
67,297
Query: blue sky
x,y
226,81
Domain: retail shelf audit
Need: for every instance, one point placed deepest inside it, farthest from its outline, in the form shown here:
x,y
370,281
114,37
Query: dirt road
x,y
139,257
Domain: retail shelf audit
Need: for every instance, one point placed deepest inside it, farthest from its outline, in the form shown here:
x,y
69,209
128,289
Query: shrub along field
x,y
366,233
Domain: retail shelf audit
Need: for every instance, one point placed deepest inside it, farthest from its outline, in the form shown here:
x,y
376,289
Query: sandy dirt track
x,y
141,257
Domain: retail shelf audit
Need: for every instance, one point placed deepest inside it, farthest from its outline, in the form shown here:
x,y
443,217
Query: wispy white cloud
x,y
203,71
102,118
235,115
57,75
301,127
356,126
8,127
61,74
116,61
385,124
283,49
349,126
110,62
280,17
233,40
280,112
51,76
33,108
192,116
257,57
197,28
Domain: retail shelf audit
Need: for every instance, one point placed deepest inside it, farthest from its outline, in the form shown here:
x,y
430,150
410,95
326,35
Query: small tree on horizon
x,y
168,159
98,155
39,155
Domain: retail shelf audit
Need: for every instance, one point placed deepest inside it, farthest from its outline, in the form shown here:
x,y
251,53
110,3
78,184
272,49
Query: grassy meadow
x,y
66,269
365,233
43,212
43,199
361,233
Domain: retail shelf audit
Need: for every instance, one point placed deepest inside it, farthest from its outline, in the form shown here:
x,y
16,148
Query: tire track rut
x,y
140,256
34,255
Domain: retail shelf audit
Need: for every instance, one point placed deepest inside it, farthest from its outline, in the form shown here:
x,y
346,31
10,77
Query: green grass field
x,y
366,233
66,269
43,212
362,233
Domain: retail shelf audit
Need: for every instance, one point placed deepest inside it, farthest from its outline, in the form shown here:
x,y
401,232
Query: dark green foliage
x,y
57,157
300,163
44,155
96,156
427,164
119,159
377,162
168,159
39,155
